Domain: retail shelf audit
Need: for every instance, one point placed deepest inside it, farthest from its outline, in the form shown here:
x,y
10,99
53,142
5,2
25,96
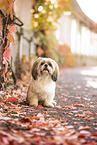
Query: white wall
x,y
82,41
23,12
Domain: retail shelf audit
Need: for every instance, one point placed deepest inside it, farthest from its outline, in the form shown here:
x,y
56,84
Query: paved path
x,y
76,97
77,93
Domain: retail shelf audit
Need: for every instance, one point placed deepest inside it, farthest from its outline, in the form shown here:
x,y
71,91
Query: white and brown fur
x,y
45,72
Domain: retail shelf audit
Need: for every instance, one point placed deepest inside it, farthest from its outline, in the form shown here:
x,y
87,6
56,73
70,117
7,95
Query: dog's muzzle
x,y
45,69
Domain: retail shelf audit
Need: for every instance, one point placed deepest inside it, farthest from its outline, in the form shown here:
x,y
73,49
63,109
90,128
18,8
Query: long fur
x,y
45,72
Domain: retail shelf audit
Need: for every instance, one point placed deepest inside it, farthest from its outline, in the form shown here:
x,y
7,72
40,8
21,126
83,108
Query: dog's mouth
x,y
45,70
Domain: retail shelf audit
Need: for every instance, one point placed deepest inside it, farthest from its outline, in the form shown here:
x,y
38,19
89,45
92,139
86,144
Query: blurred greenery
x,y
45,14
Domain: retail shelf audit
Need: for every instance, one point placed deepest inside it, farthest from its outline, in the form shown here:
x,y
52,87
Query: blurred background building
x,y
76,36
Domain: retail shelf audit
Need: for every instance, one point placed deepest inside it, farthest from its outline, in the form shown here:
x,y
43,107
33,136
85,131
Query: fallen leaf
x,y
78,105
25,120
84,132
64,99
39,106
83,127
12,99
89,113
95,113
95,135
88,118
94,95
58,107
80,115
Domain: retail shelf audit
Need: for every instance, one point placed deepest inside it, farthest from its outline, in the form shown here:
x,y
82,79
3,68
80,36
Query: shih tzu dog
x,y
45,72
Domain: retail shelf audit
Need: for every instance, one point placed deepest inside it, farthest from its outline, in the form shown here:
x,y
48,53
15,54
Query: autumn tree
x,y
6,29
45,14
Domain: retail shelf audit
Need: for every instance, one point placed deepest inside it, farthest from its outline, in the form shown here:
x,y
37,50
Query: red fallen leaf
x,y
69,107
94,95
94,134
89,113
80,115
83,127
84,132
95,113
78,105
87,118
64,99
58,107
25,120
12,99
39,106
90,143
4,101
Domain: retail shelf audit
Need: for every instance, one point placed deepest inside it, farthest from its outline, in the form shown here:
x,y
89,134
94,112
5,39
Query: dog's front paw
x,y
54,102
34,105
50,104
33,102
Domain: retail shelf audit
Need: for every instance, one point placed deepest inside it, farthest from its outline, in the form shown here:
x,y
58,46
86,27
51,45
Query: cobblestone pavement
x,y
76,96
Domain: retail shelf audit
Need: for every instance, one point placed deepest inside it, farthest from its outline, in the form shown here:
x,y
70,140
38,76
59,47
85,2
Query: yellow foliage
x,y
11,38
2,3
9,6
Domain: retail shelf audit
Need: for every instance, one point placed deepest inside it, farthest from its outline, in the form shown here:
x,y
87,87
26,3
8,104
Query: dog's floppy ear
x,y
34,69
55,74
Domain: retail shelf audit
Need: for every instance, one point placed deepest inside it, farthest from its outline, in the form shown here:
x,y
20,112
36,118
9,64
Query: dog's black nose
x,y
46,65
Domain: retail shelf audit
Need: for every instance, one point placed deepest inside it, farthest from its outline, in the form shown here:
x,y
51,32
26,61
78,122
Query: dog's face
x,y
45,66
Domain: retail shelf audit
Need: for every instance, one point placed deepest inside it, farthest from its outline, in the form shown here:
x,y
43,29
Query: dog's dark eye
x,y
50,64
42,63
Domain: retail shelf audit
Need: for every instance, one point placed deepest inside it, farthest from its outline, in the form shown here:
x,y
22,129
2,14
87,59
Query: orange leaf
x,y
25,120
87,118
89,113
11,38
94,95
78,105
83,127
7,53
12,29
0,23
2,3
80,115
39,106
9,6
58,107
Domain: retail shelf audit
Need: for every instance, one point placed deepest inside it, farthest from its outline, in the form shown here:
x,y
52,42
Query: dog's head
x,y
45,66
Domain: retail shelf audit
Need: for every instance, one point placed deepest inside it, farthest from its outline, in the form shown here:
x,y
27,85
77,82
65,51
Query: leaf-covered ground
x,y
72,122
